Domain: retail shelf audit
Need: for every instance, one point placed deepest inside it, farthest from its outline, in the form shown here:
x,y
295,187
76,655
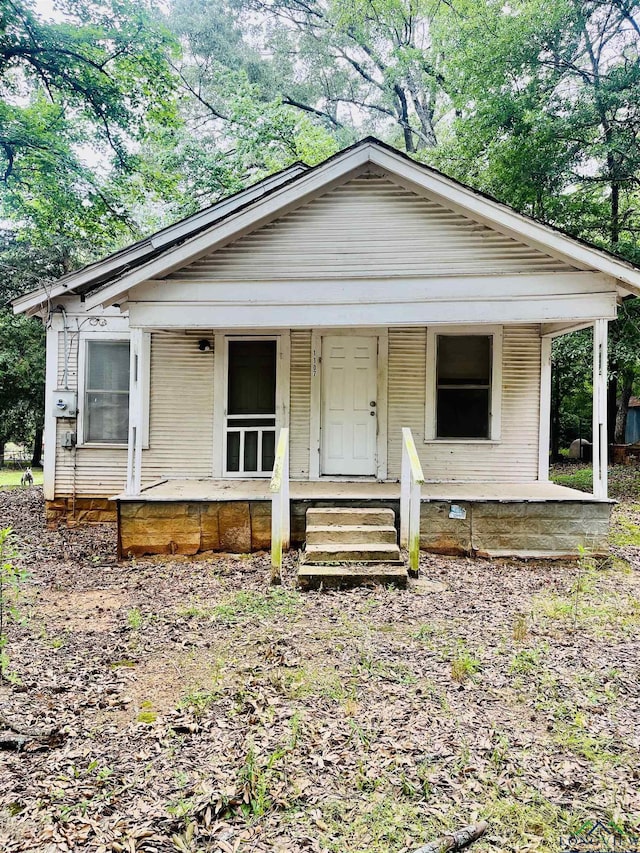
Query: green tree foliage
x,y
547,96
351,66
548,101
78,98
86,89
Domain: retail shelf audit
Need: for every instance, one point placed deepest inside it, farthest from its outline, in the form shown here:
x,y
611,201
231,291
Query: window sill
x,y
101,445
462,441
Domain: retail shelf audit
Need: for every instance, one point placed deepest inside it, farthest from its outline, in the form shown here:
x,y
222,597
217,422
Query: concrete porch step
x,y
346,534
350,515
352,552
315,576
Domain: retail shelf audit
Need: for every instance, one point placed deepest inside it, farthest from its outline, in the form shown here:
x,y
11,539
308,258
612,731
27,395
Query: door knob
x,y
372,403
373,414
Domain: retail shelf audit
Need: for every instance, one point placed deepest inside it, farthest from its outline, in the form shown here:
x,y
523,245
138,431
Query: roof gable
x,y
369,226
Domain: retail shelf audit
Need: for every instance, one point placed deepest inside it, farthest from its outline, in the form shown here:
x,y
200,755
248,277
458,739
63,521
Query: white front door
x,y
349,405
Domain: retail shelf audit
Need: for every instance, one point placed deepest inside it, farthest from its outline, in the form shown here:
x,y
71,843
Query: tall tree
x,y
353,67
548,105
73,94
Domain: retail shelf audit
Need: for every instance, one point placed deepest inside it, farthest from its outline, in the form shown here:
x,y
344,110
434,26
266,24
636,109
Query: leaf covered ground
x,y
194,708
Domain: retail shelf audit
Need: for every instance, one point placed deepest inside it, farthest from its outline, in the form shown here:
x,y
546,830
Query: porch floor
x,y
300,490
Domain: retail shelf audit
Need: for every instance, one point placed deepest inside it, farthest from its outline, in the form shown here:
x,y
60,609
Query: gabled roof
x,y
105,282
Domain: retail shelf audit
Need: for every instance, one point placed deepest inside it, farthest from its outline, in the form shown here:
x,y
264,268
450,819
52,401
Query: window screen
x,y
463,386
107,392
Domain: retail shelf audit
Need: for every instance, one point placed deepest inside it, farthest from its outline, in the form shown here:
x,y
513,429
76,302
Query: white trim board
x,y
541,309
129,254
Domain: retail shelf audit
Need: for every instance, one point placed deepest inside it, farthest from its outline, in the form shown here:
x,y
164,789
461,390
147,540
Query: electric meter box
x,y
65,404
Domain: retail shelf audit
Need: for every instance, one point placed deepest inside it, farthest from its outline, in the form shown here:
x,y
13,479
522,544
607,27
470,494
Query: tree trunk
x,y
2,443
36,459
623,409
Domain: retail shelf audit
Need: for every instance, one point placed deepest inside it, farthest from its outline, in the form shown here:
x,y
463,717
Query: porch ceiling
x,y
258,490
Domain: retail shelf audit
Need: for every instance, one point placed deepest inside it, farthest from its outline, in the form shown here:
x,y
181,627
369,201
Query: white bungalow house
x,y
332,306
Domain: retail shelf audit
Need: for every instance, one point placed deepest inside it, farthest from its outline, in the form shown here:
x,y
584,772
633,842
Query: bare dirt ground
x,y
194,708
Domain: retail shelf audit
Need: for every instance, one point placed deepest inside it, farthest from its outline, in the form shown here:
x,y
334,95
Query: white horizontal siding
x,y
84,471
180,409
514,458
369,226
300,404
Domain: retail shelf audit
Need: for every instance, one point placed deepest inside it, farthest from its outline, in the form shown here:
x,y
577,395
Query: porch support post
x,y
600,454
136,412
405,495
545,409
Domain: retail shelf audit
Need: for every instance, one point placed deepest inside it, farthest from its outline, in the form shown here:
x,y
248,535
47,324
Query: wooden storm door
x,y
250,422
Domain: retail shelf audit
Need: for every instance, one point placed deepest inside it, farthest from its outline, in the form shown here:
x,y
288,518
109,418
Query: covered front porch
x,y
536,519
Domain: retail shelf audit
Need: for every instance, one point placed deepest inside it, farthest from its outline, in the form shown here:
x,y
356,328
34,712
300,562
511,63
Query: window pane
x,y
233,451
252,378
108,366
268,450
464,359
463,413
107,416
251,451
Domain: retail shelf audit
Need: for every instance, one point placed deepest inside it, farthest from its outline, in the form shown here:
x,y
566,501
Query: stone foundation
x,y
544,529
184,527
81,511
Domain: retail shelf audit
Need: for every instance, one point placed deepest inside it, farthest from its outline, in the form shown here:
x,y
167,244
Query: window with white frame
x,y
106,397
463,399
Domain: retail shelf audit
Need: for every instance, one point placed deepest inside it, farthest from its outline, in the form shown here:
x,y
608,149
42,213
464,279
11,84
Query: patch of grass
x,y
597,749
602,612
464,664
527,661
524,820
384,670
135,619
376,824
520,628
146,713
194,611
581,479
625,527
311,680
10,477
425,633
199,701
250,604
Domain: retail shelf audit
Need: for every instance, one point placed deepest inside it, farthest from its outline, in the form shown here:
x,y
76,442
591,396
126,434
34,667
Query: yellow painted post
x,y
414,528
279,487
412,478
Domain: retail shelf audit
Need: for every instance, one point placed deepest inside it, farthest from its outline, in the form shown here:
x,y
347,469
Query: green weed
x,y
527,661
135,619
464,665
